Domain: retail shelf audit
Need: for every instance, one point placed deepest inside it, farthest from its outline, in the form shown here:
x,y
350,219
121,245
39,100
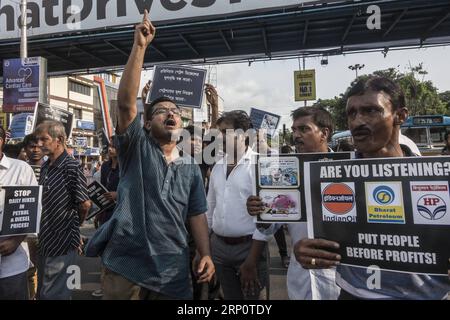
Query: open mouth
x,y
197,149
359,135
170,123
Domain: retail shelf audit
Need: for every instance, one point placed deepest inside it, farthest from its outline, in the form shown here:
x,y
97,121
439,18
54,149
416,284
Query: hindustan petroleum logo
x,y
430,201
383,195
338,202
432,207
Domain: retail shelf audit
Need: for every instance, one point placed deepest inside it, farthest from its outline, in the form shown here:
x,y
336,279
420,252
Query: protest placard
x,y
185,86
45,112
264,120
96,193
280,184
20,210
37,171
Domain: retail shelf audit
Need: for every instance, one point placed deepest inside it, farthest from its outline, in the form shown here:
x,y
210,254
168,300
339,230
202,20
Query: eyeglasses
x,y
166,111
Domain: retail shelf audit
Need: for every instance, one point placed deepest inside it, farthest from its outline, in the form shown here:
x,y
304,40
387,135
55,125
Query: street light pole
x,y
356,67
23,30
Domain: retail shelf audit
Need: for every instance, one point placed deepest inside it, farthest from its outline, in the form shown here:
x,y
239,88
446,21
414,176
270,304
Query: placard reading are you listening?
x,y
393,213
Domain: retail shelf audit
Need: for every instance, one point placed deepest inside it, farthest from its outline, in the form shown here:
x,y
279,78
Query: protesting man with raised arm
x,y
143,245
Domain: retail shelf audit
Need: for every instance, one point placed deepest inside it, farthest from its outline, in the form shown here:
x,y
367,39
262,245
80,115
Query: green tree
x,y
445,98
422,97
285,137
336,107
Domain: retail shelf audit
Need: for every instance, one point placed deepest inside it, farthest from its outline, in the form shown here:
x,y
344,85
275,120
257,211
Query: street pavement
x,y
90,271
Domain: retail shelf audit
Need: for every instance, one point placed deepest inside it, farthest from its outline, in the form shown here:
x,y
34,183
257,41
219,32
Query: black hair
x,y
194,131
446,135
12,150
29,139
149,107
380,84
3,137
286,149
3,134
345,145
321,117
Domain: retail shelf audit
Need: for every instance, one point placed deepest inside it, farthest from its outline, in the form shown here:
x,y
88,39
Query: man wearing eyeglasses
x,y
144,245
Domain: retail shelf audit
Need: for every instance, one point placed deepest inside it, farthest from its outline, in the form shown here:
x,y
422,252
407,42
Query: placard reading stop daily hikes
x,y
183,85
392,213
20,210
280,184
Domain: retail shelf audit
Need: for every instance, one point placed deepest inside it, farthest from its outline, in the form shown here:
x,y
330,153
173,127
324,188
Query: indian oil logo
x,y
338,202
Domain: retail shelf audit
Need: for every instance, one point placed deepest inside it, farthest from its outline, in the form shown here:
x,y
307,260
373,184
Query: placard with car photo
x,y
281,205
278,172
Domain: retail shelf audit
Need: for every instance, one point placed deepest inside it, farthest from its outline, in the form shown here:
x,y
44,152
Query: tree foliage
x,y
422,97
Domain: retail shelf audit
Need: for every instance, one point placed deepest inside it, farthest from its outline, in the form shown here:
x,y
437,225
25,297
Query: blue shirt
x,y
145,241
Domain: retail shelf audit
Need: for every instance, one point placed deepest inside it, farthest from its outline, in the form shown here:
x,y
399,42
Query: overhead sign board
x,y
61,16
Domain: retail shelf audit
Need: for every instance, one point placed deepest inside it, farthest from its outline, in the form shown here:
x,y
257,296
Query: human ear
x,y
400,116
325,133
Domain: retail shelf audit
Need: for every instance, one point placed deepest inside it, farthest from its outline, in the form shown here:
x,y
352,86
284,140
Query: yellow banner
x,y
305,85
385,214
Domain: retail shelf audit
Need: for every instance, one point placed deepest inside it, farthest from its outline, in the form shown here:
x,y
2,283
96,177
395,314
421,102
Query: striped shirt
x,y
64,189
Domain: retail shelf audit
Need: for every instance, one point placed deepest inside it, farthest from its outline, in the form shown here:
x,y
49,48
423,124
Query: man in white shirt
x,y
231,183
14,260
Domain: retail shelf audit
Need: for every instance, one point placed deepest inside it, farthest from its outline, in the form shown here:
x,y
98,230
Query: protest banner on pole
x,y
183,85
305,85
24,83
280,183
96,193
20,210
393,213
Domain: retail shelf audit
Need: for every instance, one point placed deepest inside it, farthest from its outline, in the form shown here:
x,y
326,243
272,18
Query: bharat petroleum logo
x,y
383,195
432,207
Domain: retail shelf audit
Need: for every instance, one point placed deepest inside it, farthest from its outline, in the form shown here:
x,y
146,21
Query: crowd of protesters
x,y
183,225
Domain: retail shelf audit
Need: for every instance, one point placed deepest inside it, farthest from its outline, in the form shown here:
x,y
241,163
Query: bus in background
x,y
343,141
428,132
